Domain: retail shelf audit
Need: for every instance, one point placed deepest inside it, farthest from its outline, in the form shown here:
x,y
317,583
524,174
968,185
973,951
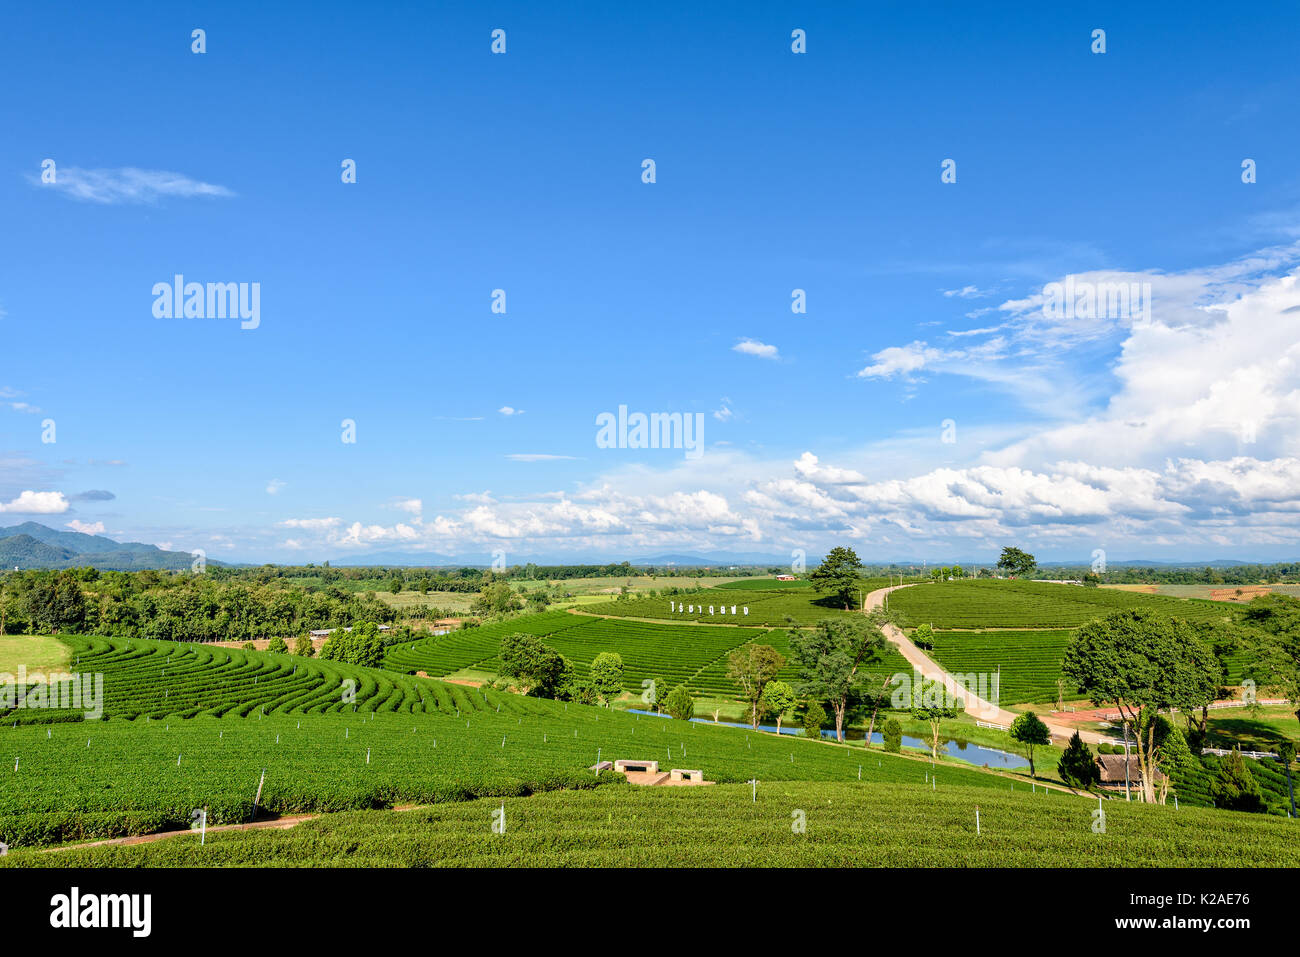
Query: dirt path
x,y
973,704
279,824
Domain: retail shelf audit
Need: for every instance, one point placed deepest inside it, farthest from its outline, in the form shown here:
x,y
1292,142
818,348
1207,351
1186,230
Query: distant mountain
x,y
31,545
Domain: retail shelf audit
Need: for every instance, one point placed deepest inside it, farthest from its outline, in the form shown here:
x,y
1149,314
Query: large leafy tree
x,y
539,669
1015,561
607,676
1142,663
752,667
1028,729
839,575
832,657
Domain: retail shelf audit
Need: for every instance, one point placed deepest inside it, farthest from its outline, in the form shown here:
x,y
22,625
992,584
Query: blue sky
x,y
775,171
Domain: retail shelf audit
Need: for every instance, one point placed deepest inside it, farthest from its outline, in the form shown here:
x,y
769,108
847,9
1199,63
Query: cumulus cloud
x,y
509,411
37,503
128,185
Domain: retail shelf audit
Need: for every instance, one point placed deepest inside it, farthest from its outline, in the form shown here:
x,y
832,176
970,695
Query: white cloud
x,y
93,528
312,524
412,506
752,347
37,503
966,292
128,185
726,413
537,457
273,487
508,411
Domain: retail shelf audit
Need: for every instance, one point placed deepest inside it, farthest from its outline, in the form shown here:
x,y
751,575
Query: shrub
x,y
814,716
1077,767
303,647
680,704
278,645
893,735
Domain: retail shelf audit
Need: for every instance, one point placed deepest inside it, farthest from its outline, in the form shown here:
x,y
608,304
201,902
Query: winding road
x,y
974,705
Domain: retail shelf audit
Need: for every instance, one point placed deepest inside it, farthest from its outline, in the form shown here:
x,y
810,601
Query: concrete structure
x,y
645,767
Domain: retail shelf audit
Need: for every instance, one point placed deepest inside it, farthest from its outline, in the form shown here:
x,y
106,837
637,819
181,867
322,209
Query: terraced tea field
x,y
985,603
846,824
1029,661
767,606
98,779
441,655
157,679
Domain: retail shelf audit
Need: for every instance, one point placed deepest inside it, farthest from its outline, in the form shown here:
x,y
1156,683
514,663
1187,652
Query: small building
x,y
1112,767
785,578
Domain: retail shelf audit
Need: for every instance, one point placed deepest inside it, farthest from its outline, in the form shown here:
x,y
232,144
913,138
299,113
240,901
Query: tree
x,y
538,669
814,716
249,646
302,646
923,636
893,736
1016,562
360,646
497,598
1235,788
1030,732
607,676
752,667
839,575
1078,767
930,704
778,698
680,704
1140,661
830,656
278,645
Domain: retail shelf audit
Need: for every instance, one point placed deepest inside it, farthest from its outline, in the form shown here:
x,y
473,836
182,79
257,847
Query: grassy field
x,y
39,655
781,824
1253,729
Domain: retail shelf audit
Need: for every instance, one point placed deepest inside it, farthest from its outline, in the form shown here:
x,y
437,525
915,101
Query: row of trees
x,y
175,606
